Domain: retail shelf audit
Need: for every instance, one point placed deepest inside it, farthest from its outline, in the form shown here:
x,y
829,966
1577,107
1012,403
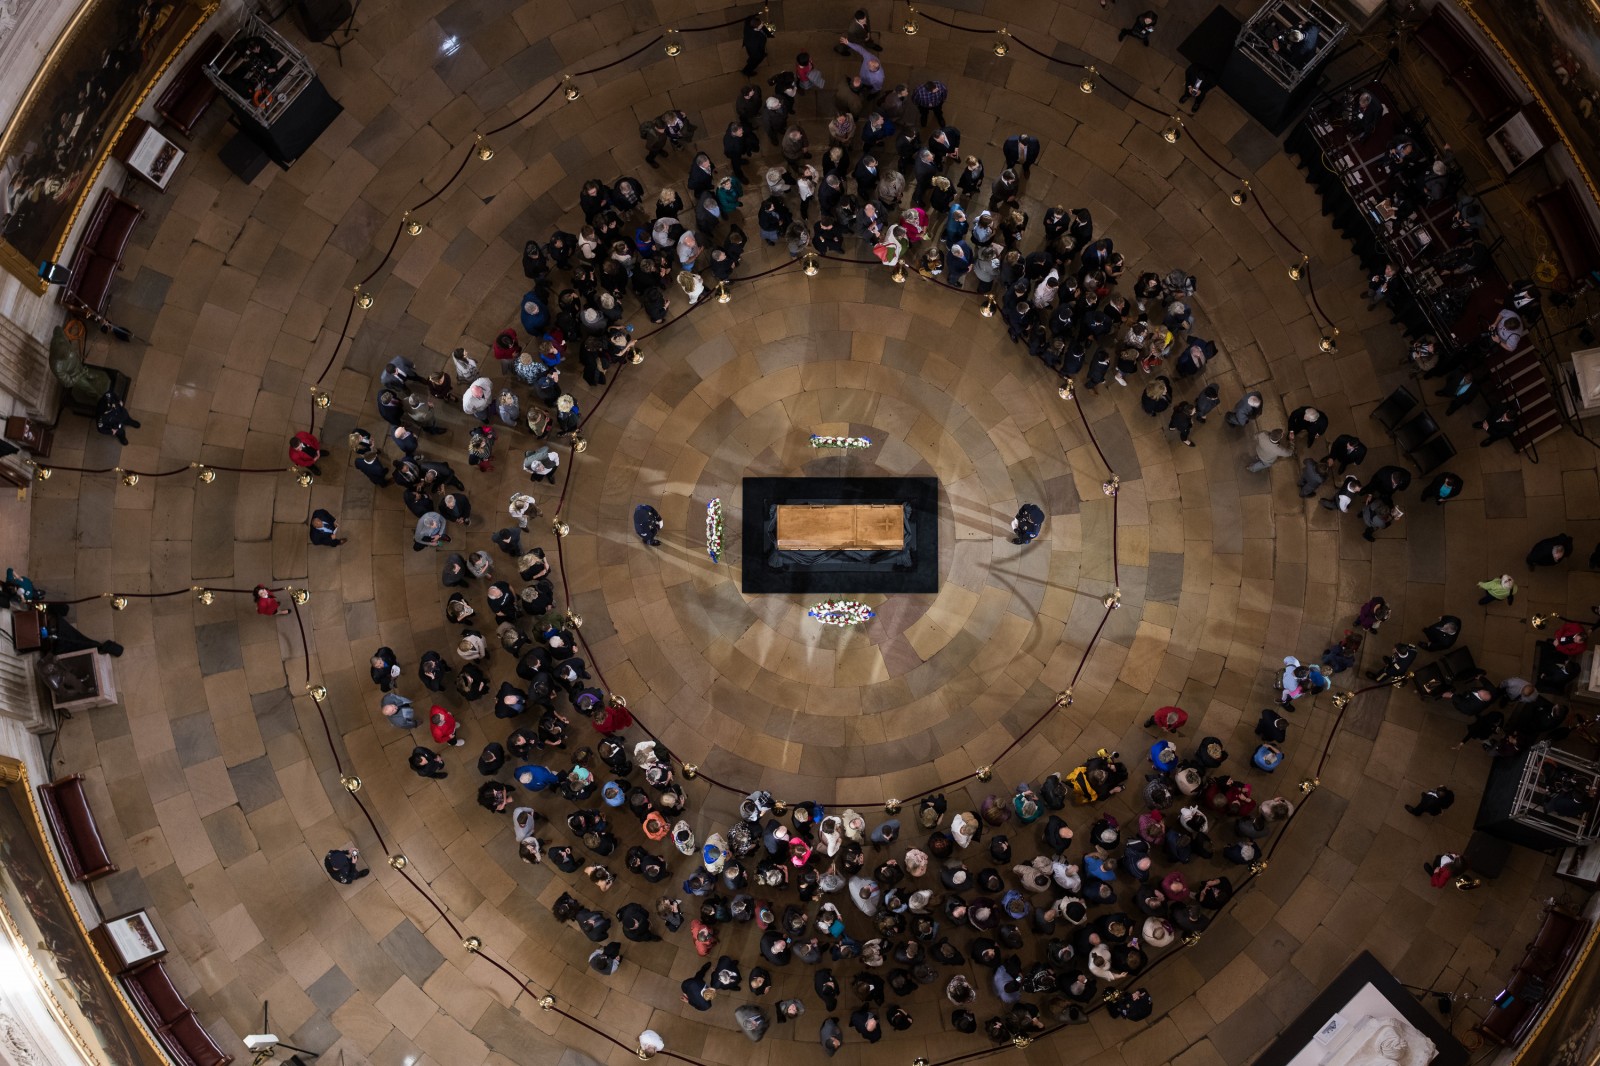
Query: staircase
x,y
1518,377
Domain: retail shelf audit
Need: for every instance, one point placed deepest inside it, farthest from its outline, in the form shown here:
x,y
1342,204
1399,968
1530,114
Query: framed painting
x,y
1554,47
42,928
99,71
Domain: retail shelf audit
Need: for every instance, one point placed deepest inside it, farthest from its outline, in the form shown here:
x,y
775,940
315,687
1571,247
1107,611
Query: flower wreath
x,y
841,613
714,528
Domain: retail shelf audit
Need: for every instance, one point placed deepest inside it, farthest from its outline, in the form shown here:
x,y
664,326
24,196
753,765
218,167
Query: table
x,y
831,527
1457,309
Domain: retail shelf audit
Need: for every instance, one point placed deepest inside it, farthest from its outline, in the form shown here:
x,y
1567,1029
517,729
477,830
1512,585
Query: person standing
x,y
304,451
385,668
426,763
325,529
1247,410
1168,719
1028,523
1196,83
341,865
111,417
1441,634
756,34
1144,24
647,524
604,961
1549,551
1443,488
429,531
1308,422
1021,150
266,603
1433,801
1269,449
930,97
1503,588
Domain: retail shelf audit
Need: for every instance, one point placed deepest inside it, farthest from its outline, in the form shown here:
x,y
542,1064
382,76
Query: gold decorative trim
x,y
10,258
1554,1001
1538,97
14,777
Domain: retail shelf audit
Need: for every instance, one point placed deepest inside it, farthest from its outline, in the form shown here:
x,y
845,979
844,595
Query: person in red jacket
x,y
305,450
1570,639
1170,719
267,603
443,726
610,718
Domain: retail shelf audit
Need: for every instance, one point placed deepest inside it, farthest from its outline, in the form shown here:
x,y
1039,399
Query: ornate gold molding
x,y
14,778
1470,9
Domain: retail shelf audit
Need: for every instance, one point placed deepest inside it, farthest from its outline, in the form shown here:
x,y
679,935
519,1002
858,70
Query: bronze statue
x,y
86,383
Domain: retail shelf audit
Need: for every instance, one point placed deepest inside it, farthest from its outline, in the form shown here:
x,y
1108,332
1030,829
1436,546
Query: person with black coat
x,y
754,40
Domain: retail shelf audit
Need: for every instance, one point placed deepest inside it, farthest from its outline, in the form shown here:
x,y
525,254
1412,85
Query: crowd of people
x,y
1021,941
1021,919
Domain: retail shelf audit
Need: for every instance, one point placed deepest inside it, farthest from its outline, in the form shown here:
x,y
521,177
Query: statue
x,y
86,383
1379,1041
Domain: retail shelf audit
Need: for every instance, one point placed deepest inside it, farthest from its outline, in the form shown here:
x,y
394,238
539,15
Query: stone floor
x,y
215,782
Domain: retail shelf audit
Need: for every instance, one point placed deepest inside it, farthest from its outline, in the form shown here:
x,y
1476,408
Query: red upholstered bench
x,y
151,990
66,810
99,253
1536,978
184,101
187,1041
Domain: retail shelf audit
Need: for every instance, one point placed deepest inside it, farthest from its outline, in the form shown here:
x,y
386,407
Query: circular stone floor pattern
x,y
216,787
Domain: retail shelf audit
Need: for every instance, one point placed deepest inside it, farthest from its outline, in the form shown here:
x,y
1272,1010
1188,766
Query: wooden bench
x,y
184,101
99,254
1571,231
1474,74
152,992
1535,979
66,811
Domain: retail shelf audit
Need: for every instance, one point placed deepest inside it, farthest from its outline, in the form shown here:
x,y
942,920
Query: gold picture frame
x,y
101,67
45,930
1542,86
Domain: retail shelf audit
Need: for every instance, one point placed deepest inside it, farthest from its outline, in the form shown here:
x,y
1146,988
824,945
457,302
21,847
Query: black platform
x,y
1212,46
914,569
283,142
1300,1033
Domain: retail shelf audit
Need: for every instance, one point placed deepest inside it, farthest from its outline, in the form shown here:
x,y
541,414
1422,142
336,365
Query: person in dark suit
x,y
1441,635
1022,150
1549,551
647,524
325,529
1433,801
1028,523
371,465
426,763
865,1022
1395,665
755,44
341,865
1144,24
831,1036
696,992
1347,451
385,668
1196,83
